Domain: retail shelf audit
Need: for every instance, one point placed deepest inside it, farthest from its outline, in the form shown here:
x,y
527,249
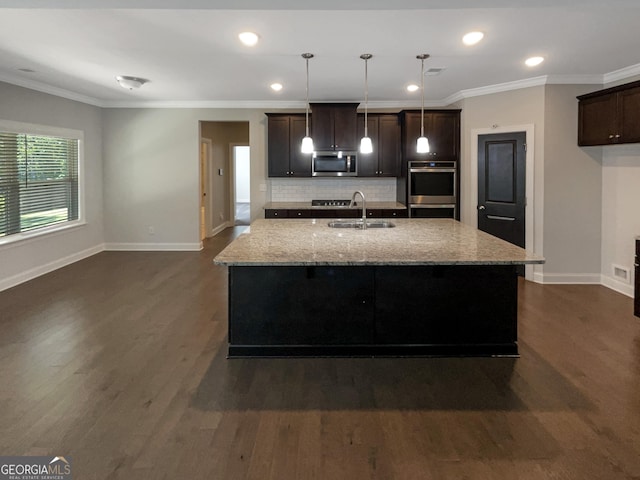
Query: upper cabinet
x,y
384,131
441,127
285,132
334,126
610,116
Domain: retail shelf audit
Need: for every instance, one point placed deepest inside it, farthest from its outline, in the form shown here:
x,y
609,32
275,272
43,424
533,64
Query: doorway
x,y
242,184
502,186
223,136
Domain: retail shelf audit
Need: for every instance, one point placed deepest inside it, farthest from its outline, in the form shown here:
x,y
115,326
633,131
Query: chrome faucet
x,y
364,207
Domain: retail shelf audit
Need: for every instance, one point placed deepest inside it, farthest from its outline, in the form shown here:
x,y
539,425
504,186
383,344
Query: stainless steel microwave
x,y
334,164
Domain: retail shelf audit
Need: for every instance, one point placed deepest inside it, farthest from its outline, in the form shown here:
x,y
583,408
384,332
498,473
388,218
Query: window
x,y
39,188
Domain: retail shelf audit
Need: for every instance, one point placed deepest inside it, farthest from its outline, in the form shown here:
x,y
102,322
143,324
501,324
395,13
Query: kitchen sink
x,y
358,224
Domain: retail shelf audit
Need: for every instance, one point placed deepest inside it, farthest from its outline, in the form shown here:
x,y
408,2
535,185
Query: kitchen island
x,y
424,287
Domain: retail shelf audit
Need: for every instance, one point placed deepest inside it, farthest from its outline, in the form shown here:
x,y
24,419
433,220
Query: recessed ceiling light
x,y
472,38
276,87
412,88
248,38
533,61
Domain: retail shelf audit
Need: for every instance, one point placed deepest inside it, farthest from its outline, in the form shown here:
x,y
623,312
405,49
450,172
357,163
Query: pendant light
x,y
422,145
307,142
365,143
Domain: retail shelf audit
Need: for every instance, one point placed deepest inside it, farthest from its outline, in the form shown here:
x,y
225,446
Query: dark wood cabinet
x,y
441,127
387,213
334,213
610,116
334,126
384,131
276,213
365,310
636,296
285,133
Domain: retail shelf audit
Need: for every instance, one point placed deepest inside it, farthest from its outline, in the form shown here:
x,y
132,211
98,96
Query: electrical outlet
x,y
152,231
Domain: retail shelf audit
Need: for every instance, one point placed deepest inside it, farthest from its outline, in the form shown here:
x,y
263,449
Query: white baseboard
x,y
570,278
49,267
219,228
617,285
584,279
153,247
538,277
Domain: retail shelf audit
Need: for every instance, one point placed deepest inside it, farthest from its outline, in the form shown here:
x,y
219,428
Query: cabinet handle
x,y
610,136
275,214
299,213
618,135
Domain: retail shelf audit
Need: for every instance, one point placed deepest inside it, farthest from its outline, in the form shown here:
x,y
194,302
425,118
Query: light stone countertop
x,y
308,242
307,205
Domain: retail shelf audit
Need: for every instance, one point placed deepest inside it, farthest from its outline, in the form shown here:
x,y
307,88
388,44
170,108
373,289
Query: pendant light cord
x,y
366,95
307,106
422,92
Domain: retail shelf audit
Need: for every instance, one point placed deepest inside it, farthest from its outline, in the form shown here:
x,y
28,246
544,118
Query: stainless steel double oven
x,y
432,189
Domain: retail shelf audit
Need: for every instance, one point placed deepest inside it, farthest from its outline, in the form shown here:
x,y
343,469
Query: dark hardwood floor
x,y
118,361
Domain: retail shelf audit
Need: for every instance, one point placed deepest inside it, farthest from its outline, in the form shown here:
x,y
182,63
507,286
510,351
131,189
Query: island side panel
x,y
373,310
448,305
291,305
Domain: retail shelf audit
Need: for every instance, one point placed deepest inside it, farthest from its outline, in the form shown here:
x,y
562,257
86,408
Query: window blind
x,y
38,181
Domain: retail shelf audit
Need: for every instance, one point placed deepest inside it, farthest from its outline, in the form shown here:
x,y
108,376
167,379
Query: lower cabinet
x,y
301,306
329,213
387,213
455,310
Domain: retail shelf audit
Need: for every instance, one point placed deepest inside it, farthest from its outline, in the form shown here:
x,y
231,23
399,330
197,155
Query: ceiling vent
x,y
434,71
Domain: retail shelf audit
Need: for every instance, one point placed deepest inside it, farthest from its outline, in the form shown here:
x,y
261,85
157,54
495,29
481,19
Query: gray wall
x,y
152,170
572,192
27,259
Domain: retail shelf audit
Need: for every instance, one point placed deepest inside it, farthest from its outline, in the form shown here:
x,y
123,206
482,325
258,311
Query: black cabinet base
x,y
437,310
279,351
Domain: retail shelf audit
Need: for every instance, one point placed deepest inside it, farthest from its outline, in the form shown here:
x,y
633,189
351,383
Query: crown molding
x,y
575,79
502,87
258,104
51,90
220,104
622,73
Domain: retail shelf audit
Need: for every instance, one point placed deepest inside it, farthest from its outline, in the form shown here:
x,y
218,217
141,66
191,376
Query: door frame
x,y
531,198
205,179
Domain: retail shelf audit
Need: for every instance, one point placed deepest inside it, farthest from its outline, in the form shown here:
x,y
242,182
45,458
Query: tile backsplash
x,y
307,189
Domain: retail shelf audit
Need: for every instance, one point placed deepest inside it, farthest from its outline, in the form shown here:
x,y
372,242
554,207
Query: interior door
x,y
501,186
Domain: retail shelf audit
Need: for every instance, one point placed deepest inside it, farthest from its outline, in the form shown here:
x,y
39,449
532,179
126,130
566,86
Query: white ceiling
x,y
190,52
